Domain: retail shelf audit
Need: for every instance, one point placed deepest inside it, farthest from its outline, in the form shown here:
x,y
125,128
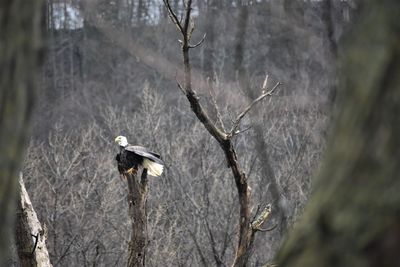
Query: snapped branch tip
x,y
261,218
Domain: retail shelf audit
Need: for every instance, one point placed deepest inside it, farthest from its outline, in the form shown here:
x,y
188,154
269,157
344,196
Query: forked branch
x,y
173,16
236,123
247,228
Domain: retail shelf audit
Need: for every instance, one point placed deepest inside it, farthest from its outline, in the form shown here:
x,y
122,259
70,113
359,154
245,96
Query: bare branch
x,y
242,131
257,211
199,43
181,88
216,255
267,229
261,218
258,99
179,85
173,16
188,8
265,83
190,30
198,247
214,101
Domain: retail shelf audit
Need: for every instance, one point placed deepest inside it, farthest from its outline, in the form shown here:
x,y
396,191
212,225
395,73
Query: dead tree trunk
x,y
353,218
247,226
137,198
20,43
30,236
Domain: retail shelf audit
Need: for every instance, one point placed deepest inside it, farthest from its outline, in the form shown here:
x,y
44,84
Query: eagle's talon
x,y
131,171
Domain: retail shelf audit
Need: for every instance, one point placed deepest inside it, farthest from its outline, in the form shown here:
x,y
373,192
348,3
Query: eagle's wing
x,y
144,152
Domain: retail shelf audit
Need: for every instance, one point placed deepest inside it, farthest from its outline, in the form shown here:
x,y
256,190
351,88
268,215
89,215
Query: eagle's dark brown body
x,y
131,157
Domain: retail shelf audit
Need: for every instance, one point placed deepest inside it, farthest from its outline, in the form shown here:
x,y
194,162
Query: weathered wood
x,y
20,43
30,236
137,198
246,232
353,218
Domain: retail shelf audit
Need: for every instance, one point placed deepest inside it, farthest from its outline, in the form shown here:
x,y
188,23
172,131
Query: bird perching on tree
x,y
130,158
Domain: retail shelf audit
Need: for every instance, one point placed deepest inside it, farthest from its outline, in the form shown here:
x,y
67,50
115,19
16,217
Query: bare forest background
x,y
111,68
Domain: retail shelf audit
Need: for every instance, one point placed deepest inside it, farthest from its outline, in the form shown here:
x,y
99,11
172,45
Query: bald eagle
x,y
130,158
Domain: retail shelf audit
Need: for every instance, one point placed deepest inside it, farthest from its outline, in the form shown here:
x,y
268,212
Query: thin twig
x,y
179,85
258,99
214,101
256,213
173,16
216,255
268,229
242,131
265,83
199,43
187,19
261,218
66,250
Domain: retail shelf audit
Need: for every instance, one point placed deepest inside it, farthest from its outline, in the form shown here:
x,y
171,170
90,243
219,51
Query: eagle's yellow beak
x,y
121,140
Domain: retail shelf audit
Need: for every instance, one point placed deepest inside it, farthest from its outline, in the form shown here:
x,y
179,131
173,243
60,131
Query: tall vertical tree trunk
x,y
137,198
353,218
20,42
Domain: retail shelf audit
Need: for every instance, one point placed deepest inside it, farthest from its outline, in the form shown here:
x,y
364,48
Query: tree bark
x,y
353,218
246,227
20,43
137,198
261,146
30,236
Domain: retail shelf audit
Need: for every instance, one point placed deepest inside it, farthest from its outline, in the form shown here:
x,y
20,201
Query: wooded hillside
x,y
111,68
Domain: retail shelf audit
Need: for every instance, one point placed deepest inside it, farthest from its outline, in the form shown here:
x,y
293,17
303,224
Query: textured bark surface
x,y
137,212
225,139
20,42
30,235
353,218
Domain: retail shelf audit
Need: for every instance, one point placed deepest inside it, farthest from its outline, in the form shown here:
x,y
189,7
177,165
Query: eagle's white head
x,y
121,140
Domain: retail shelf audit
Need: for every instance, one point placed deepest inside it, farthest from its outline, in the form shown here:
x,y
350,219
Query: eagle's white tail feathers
x,y
153,168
